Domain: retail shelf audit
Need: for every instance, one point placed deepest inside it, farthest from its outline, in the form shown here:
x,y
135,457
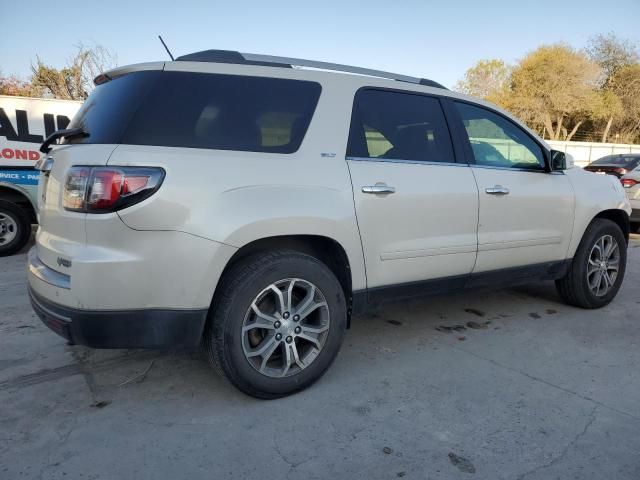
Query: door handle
x,y
378,188
497,190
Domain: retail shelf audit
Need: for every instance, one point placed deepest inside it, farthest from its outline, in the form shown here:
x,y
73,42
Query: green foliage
x,y
487,79
12,85
71,82
557,89
65,83
611,53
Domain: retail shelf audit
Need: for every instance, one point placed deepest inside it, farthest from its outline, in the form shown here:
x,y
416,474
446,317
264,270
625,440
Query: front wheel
x,y
277,323
598,267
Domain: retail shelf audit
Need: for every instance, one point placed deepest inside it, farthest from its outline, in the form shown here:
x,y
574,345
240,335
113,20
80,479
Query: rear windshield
x,y
618,160
199,110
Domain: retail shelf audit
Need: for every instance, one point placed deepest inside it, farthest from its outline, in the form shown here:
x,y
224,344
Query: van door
x,y
417,207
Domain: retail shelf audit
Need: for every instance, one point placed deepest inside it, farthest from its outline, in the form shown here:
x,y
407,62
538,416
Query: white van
x,y
24,124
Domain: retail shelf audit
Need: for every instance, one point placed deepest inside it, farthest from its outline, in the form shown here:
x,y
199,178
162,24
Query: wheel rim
x,y
8,229
603,265
285,328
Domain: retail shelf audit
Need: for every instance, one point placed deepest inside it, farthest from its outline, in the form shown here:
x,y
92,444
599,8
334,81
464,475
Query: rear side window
x,y
197,110
399,126
108,110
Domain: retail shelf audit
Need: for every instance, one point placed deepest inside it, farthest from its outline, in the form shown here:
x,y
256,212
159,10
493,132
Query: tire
x,y
15,228
247,283
574,287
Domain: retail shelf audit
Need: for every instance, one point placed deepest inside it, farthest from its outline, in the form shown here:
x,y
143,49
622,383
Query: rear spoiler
x,y
120,71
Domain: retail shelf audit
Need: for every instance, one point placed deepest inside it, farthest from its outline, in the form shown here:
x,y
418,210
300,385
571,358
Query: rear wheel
x,y
277,323
598,267
15,228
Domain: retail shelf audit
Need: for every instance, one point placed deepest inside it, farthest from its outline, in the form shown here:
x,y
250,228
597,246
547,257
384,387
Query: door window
x,y
399,126
497,142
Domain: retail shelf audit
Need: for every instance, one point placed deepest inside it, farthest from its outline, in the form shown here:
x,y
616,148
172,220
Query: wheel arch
x,y
617,216
326,249
581,223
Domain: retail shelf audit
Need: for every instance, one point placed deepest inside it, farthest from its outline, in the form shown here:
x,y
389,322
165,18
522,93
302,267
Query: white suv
x,y
231,200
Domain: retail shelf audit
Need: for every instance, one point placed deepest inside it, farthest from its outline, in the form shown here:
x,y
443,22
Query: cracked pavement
x,y
545,391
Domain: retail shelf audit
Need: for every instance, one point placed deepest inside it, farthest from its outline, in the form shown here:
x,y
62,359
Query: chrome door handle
x,y
497,190
378,188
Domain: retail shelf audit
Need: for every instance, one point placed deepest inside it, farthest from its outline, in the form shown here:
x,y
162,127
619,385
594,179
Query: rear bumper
x,y
148,328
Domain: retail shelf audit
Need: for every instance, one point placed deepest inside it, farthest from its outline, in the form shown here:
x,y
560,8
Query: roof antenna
x,y
166,48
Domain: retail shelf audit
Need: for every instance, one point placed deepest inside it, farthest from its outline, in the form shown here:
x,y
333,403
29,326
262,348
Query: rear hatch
x,y
104,118
62,232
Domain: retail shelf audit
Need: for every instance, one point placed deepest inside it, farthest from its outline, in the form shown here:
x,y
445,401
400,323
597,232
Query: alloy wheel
x,y
603,265
285,327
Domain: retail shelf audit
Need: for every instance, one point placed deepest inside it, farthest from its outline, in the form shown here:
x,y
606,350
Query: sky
x,y
431,39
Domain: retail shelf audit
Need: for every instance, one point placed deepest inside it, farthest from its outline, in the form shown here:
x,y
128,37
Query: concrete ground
x,y
545,391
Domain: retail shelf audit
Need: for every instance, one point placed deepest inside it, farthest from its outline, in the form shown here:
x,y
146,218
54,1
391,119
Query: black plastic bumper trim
x,y
146,328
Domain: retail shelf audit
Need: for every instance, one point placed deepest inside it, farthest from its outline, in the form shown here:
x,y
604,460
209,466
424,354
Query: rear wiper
x,y
66,133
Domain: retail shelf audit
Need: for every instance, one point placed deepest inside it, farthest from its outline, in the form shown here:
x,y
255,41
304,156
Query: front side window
x,y
399,126
497,142
200,110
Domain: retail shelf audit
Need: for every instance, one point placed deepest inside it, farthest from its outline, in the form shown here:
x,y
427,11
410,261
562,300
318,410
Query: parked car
x,y
229,199
617,165
631,184
24,123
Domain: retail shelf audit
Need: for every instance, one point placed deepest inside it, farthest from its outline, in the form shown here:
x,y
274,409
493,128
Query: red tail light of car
x,y
628,182
109,189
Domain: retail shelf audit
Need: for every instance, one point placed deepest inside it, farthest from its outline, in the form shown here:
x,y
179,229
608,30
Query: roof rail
x,y
229,56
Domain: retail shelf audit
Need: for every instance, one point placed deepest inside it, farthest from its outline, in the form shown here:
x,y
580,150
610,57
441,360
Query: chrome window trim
x,y
491,167
48,275
395,160
449,164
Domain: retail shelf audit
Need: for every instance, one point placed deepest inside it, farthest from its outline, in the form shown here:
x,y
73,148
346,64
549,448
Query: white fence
x,y
584,153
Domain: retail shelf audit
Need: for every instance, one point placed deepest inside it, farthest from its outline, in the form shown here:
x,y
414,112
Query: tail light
x,y
108,189
628,182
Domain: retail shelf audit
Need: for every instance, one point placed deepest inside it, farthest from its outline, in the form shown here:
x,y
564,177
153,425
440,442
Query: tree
x,y
626,85
487,79
611,53
607,107
553,86
75,81
12,85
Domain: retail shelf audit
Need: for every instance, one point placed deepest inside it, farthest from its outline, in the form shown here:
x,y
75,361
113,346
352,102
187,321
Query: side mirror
x,y
558,160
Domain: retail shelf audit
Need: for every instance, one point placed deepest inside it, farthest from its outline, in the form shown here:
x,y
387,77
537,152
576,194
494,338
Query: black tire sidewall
x,y
598,229
237,367
21,218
